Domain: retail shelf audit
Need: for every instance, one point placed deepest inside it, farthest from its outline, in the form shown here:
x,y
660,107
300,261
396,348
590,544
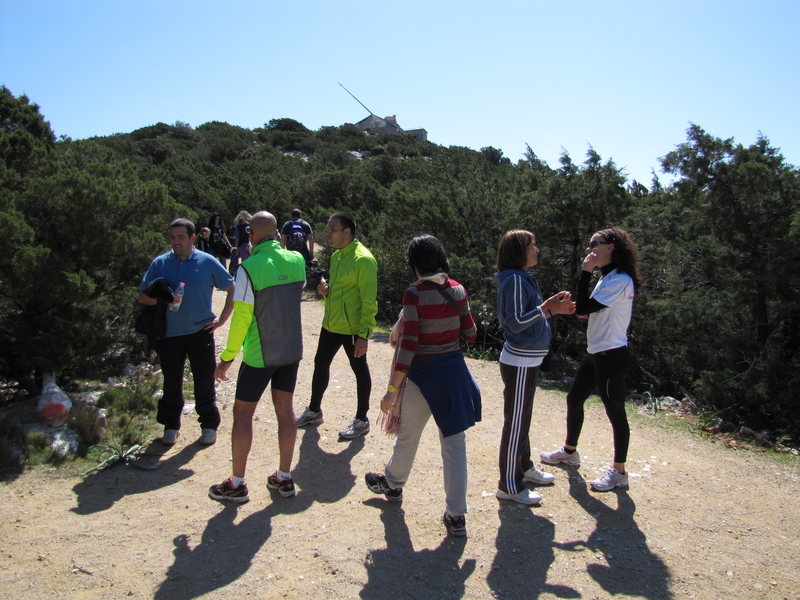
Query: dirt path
x,y
699,521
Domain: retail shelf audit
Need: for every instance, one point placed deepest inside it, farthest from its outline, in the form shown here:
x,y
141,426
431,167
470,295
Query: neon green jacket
x,y
352,301
266,307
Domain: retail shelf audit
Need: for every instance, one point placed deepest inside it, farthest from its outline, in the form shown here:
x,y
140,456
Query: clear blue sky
x,y
626,77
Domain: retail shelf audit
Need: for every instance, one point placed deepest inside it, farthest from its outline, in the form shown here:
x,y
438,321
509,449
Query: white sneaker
x,y
534,475
309,417
525,496
355,429
169,437
208,437
609,480
561,457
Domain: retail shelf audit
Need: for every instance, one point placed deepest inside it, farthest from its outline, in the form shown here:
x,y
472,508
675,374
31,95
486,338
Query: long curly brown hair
x,y
626,256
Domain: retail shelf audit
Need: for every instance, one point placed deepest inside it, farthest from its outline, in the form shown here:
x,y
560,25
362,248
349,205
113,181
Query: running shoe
x,y
169,437
561,457
355,429
285,488
309,417
226,491
456,526
525,496
377,484
208,437
534,475
609,480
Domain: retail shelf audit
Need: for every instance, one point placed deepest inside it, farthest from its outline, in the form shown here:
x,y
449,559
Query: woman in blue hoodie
x,y
523,316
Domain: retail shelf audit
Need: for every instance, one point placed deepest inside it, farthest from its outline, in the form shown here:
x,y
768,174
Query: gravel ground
x,y
700,520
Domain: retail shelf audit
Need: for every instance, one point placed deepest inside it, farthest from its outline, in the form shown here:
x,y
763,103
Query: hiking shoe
x,y
226,491
456,526
377,484
309,417
525,496
169,437
609,480
534,475
561,457
355,429
285,488
208,437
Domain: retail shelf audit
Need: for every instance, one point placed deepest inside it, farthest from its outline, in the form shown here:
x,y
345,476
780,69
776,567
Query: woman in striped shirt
x,y
430,367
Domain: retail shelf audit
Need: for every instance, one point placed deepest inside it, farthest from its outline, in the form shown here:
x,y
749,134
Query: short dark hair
x,y
296,214
512,253
184,223
347,221
426,256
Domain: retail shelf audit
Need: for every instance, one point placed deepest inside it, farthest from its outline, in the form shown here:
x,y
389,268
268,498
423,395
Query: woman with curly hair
x,y
605,367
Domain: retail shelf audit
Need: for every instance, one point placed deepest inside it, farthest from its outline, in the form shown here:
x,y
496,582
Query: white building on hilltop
x,y
374,125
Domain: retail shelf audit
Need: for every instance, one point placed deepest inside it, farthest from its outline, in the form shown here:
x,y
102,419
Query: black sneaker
x,y
377,484
225,491
456,526
285,488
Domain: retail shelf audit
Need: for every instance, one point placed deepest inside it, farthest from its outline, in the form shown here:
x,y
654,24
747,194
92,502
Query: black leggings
x,y
328,346
605,372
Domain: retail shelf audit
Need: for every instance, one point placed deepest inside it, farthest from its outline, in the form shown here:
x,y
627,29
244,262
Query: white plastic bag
x,y
54,405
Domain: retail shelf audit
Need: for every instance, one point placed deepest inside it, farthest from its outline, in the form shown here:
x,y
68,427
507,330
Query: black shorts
x,y
254,380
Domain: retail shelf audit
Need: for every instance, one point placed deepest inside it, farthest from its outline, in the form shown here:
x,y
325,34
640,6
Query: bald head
x,y
262,226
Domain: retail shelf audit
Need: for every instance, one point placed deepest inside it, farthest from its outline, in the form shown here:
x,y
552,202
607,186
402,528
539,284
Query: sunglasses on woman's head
x,y
596,243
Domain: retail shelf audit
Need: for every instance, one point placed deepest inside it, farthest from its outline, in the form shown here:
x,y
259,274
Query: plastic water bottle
x,y
178,296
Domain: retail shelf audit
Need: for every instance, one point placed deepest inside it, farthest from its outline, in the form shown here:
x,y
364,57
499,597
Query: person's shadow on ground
x,y
319,477
524,555
398,570
100,490
324,476
225,552
632,569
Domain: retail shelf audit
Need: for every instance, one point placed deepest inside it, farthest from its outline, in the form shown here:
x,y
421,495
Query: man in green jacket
x,y
350,308
266,320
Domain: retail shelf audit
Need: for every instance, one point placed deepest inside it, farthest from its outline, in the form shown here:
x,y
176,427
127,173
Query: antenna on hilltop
x,y
356,99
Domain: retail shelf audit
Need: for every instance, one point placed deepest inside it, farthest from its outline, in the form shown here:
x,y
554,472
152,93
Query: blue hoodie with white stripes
x,y
525,327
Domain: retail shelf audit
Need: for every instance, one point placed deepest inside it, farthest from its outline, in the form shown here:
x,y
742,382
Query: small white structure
x,y
375,125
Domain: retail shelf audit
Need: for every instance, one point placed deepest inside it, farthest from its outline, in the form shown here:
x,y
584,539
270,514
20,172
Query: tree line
x,y
718,318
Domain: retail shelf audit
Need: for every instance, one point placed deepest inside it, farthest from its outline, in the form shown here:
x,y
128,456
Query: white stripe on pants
x,y
414,414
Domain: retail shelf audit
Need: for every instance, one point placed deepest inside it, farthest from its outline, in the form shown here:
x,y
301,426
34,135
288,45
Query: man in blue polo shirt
x,y
190,329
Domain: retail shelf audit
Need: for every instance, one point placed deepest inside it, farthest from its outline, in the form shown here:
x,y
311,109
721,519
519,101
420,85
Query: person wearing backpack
x,y
297,235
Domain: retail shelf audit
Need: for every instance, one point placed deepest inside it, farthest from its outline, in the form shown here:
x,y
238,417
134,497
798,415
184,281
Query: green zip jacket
x,y
266,307
352,301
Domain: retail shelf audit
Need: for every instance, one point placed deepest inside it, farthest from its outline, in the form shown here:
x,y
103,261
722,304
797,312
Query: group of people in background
x,y
296,234
428,376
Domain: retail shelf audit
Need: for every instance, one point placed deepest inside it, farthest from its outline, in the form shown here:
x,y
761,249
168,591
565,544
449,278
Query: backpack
x,y
297,237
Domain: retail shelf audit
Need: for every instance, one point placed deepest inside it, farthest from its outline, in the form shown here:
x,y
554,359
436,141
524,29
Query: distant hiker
x,y
266,320
297,236
605,366
204,240
220,245
190,330
350,308
433,375
523,315
241,233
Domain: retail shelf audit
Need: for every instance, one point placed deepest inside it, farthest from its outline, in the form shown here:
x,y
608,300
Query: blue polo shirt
x,y
200,273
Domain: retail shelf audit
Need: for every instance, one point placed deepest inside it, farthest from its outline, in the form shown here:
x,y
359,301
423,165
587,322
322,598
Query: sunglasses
x,y
596,243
